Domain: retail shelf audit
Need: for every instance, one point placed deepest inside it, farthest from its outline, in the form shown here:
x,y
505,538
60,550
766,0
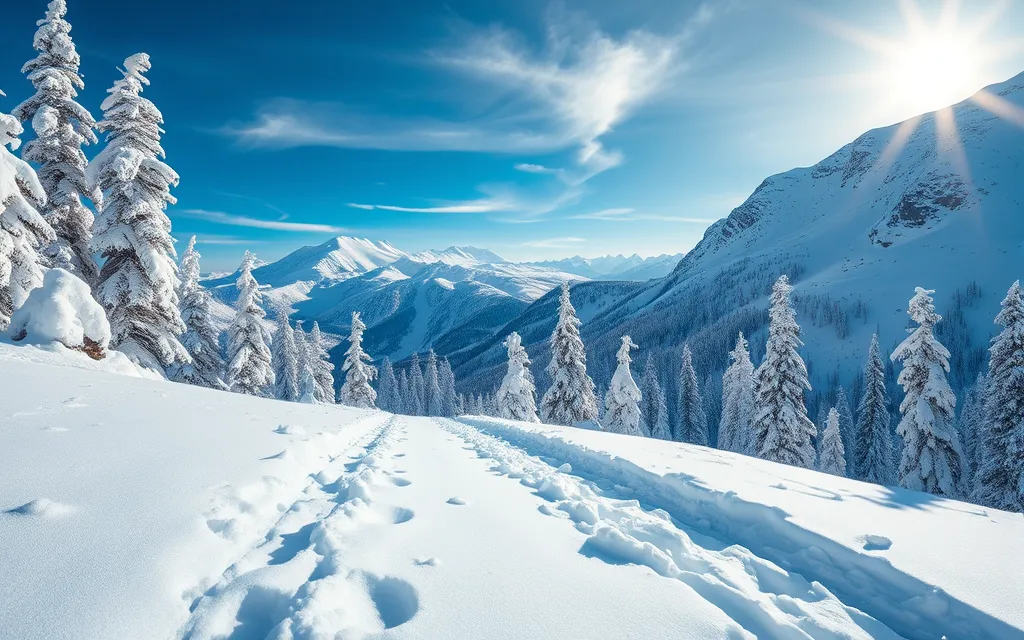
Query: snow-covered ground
x,y
136,508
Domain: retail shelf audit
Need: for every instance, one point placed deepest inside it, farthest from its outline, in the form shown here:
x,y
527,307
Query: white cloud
x,y
220,217
626,214
526,167
486,205
554,243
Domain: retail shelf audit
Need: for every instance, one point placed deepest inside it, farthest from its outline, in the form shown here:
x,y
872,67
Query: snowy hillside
x,y
900,207
225,516
618,267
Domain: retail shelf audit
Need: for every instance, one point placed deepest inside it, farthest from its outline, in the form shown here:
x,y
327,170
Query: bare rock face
x,y
924,205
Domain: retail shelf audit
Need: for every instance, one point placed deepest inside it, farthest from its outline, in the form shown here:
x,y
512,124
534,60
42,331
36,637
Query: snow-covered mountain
x,y
135,508
937,201
617,267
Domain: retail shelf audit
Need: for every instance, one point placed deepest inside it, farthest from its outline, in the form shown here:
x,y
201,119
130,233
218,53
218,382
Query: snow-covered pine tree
x,y
691,419
308,388
846,423
388,397
831,457
517,396
416,402
873,440
1000,477
137,284
285,357
404,394
249,361
62,126
622,403
206,368
321,365
302,361
450,404
650,399
356,391
23,231
782,431
431,387
970,426
570,399
932,459
734,432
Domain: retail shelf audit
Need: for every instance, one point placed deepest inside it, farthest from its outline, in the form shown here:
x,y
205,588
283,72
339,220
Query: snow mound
x,y
42,508
61,310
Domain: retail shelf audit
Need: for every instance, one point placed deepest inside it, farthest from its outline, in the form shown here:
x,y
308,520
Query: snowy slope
x,y
133,508
616,267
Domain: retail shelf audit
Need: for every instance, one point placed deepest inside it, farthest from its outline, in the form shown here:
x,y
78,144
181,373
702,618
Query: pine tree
x,y
932,460
846,423
570,399
23,231
517,395
405,394
388,397
873,441
450,404
249,365
734,432
320,363
1000,477
206,367
356,391
971,426
651,399
62,126
432,386
622,403
832,458
285,358
415,403
138,280
302,354
308,388
691,420
782,430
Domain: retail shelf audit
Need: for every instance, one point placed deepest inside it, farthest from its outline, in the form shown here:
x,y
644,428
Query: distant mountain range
x,y
618,267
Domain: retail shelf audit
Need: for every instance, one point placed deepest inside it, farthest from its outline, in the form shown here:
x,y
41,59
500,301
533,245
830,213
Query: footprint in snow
x,y
290,430
876,543
400,482
456,500
426,562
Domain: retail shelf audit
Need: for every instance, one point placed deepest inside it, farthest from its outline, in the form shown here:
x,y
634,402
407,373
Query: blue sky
x,y
537,129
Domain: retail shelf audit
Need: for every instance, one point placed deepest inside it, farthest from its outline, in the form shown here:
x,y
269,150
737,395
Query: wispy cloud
x,y
220,217
554,243
526,167
221,240
625,214
487,205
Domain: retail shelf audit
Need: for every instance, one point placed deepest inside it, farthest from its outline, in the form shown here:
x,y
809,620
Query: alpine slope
x,y
138,508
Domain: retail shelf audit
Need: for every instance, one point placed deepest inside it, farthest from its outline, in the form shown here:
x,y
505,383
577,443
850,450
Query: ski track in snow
x,y
794,584
295,583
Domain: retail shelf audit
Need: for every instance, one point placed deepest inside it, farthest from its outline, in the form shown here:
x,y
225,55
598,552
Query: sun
x,y
931,70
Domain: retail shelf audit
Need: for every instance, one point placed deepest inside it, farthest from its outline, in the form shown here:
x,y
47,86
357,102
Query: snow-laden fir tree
x,y
431,387
831,457
970,426
138,281
872,459
517,395
320,363
388,397
285,357
1000,476
62,126
451,405
932,459
405,394
302,361
847,426
415,403
23,231
570,399
691,419
782,431
206,367
249,361
622,403
308,389
653,411
734,430
356,390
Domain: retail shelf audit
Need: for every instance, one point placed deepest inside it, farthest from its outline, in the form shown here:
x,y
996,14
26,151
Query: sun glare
x,y
931,71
